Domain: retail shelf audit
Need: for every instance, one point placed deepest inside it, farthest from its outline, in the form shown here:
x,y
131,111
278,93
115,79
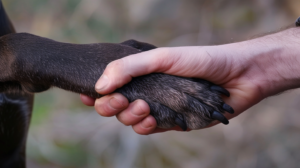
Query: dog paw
x,y
187,102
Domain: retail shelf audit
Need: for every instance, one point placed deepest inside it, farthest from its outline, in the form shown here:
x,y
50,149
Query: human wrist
x,y
273,62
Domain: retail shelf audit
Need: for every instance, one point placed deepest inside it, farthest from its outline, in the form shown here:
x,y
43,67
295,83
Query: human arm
x,y
250,70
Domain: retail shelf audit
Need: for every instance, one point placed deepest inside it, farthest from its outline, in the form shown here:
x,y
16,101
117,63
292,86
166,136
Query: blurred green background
x,y
66,134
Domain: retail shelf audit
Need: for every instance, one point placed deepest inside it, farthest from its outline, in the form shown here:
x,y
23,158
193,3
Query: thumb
x,y
121,71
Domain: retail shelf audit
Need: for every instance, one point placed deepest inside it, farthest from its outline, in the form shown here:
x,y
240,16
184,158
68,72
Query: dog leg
x,y
36,64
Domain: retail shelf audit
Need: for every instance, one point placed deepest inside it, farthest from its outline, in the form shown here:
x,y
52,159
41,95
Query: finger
x,y
110,105
120,72
135,113
146,126
87,100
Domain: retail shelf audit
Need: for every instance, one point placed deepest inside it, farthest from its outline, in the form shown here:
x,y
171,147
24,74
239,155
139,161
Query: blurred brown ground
x,y
66,134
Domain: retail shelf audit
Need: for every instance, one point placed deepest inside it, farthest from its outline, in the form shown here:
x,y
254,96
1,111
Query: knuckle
x,y
164,53
115,66
162,59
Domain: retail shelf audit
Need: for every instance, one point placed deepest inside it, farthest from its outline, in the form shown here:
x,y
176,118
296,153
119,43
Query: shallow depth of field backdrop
x,y
66,134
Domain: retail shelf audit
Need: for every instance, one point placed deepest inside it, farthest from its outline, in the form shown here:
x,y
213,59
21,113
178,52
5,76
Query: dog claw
x,y
181,123
227,108
218,116
220,90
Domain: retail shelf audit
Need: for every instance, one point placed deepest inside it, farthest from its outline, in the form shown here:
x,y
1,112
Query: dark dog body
x,y
30,64
15,114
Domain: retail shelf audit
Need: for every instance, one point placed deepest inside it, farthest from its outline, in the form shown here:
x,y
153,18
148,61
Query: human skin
x,y
250,70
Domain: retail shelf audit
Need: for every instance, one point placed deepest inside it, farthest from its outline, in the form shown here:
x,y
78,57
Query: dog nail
x,y
218,116
227,108
220,90
181,123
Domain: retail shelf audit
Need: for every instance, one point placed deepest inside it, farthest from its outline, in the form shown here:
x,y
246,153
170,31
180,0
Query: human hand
x,y
235,67
197,62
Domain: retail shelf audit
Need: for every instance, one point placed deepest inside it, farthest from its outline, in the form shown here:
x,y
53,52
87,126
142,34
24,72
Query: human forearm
x,y
272,62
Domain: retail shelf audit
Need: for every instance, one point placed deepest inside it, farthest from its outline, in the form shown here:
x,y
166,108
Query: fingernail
x,y
102,83
115,103
136,110
146,123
